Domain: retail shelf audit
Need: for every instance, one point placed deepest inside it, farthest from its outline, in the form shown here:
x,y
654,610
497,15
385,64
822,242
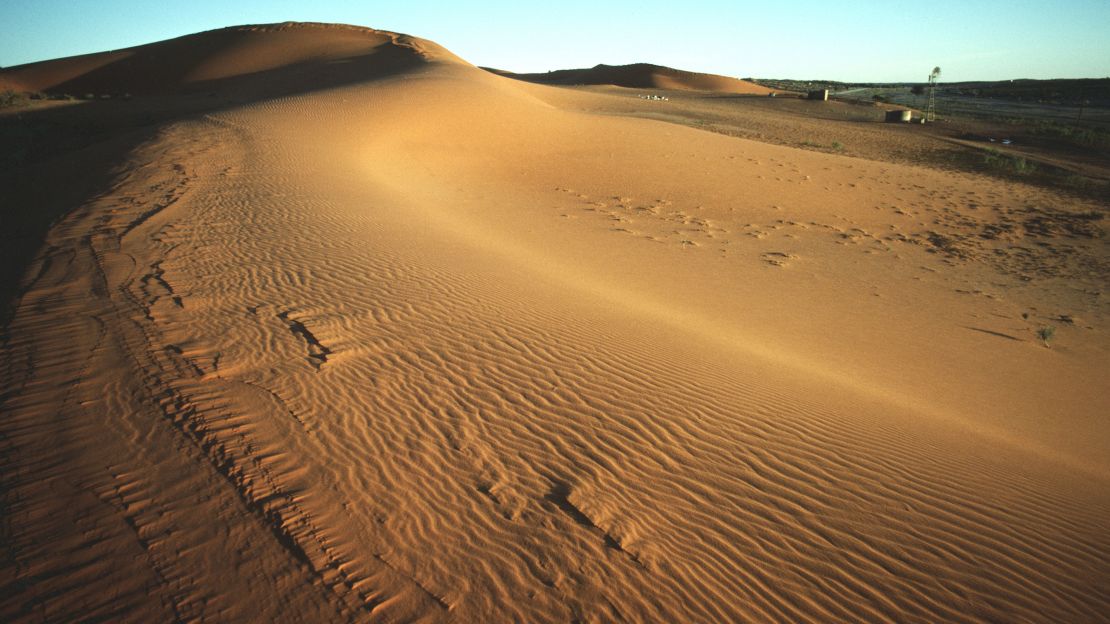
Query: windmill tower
x,y
931,108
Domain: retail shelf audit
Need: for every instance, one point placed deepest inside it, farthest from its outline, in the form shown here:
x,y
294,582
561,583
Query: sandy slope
x,y
442,347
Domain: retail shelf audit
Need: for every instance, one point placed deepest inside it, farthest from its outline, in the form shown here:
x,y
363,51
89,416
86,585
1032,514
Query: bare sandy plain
x,y
371,334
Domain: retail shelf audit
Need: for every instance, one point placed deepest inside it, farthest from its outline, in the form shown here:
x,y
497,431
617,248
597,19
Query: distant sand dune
x,y
235,58
642,76
381,353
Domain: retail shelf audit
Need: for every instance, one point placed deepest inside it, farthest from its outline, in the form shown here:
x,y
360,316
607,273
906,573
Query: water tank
x,y
899,116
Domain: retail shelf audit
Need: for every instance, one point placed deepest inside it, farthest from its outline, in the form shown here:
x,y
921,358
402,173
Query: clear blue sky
x,y
875,41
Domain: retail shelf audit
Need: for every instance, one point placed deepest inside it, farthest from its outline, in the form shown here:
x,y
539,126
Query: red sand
x,y
433,344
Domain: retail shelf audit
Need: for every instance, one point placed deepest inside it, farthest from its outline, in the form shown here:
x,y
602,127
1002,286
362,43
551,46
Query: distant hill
x,y
641,76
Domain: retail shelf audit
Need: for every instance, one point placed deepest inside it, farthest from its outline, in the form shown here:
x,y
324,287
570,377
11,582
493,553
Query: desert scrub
x,y
10,98
1008,162
1046,333
835,145
1074,133
1084,184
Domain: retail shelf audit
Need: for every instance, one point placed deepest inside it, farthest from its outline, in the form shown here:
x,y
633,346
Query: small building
x,y
820,94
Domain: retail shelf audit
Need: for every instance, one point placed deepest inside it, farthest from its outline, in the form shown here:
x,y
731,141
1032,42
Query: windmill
x,y
931,109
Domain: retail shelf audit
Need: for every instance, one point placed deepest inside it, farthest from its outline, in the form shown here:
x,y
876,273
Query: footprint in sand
x,y
777,258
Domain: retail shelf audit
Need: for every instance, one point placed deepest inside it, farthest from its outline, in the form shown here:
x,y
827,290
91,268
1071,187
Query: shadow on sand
x,y
57,156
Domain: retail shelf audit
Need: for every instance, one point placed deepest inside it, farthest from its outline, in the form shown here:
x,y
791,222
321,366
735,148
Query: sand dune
x,y
241,58
642,76
438,345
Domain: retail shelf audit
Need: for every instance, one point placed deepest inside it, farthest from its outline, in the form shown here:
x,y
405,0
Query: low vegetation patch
x,y
1085,184
1071,133
835,145
1008,162
10,99
1046,334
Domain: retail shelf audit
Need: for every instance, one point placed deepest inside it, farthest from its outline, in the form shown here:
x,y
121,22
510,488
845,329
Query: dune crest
x,y
233,55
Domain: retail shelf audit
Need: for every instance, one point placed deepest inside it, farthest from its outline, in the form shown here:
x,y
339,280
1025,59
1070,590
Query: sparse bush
x,y
11,98
1046,333
835,145
1022,166
1008,162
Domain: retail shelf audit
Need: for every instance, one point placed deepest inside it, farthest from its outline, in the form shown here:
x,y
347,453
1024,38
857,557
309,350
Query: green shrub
x,y
1008,162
